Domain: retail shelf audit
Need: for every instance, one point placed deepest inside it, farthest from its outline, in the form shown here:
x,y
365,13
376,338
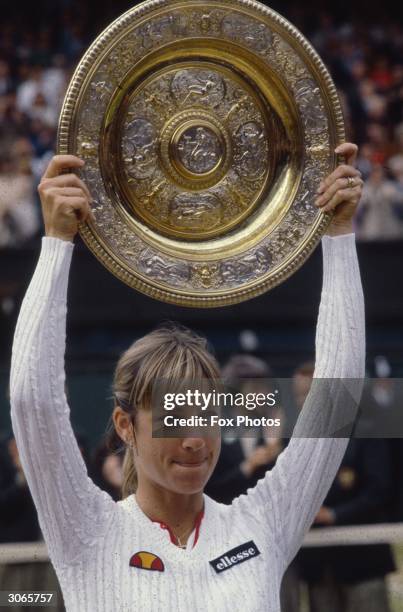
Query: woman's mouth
x,y
191,464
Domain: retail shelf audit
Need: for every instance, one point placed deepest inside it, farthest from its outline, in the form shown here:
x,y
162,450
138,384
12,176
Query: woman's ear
x,y
123,424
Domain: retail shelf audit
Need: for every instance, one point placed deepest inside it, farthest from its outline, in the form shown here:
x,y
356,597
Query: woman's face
x,y
180,465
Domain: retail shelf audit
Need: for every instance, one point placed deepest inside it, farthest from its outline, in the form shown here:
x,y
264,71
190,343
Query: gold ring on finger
x,y
350,182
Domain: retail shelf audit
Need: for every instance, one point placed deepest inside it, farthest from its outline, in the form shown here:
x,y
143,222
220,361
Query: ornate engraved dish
x,y
206,128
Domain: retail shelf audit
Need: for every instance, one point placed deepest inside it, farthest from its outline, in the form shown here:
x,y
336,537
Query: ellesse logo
x,y
237,555
148,561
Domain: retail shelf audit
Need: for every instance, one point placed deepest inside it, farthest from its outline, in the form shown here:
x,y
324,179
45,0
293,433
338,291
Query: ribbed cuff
x,y
339,256
56,241
341,239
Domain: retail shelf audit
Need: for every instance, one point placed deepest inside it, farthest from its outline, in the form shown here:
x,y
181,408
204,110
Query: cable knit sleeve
x,y
288,498
73,512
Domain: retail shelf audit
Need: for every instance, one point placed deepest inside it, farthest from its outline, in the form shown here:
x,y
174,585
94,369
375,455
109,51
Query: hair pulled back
x,y
171,353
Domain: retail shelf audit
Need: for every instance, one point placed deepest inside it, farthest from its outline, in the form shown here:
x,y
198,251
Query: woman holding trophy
x,y
166,545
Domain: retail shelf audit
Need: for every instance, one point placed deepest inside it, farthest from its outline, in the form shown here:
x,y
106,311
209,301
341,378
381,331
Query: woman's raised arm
x,y
290,495
73,512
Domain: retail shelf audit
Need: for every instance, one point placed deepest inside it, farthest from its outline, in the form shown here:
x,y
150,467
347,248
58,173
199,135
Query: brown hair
x,y
172,353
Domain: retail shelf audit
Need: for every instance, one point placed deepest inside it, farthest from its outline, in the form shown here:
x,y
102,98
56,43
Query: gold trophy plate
x,y
206,128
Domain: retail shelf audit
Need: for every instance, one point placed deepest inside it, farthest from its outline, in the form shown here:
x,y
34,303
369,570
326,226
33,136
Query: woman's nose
x,y
193,444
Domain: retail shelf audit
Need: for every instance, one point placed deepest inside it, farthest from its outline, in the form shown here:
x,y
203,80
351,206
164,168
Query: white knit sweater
x,y
91,539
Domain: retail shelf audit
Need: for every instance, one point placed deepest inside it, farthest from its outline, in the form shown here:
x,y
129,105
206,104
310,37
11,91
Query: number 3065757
x,y
18,597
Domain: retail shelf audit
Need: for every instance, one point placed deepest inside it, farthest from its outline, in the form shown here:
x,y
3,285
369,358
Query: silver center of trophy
x,y
199,149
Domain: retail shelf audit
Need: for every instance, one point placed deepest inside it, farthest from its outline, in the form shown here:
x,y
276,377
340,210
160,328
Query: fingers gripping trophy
x,y
202,159
66,200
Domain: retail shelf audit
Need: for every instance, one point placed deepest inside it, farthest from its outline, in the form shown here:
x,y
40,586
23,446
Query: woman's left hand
x,y
341,192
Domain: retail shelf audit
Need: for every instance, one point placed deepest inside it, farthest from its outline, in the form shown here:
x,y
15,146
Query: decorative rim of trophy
x,y
206,128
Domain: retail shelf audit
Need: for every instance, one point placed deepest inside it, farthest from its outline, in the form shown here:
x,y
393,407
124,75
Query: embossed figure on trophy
x,y
205,23
255,34
205,275
101,90
157,31
152,100
195,211
148,199
198,86
242,270
159,104
236,196
87,149
142,162
250,156
308,98
199,89
199,149
237,106
157,267
139,149
289,65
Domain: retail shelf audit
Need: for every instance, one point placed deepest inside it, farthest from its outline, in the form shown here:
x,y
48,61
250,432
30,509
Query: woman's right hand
x,y
65,198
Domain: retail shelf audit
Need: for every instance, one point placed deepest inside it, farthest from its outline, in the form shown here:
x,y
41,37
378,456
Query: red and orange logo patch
x,y
148,561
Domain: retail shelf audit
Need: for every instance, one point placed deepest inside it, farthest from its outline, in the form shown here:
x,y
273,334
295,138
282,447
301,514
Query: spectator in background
x,y
375,103
5,78
18,517
365,160
381,73
395,96
395,163
19,523
396,169
108,471
41,111
44,88
19,218
378,138
13,123
28,88
381,208
244,460
386,393
350,578
55,81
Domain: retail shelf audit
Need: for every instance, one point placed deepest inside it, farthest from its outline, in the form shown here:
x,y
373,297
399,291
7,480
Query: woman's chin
x,y
190,479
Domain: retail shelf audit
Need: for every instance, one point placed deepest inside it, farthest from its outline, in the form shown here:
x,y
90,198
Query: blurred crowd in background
x,y
366,62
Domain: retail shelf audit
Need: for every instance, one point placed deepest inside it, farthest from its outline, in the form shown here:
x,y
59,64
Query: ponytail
x,y
129,485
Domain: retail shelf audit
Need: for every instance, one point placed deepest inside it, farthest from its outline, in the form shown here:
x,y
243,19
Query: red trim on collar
x,y
196,527
171,533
